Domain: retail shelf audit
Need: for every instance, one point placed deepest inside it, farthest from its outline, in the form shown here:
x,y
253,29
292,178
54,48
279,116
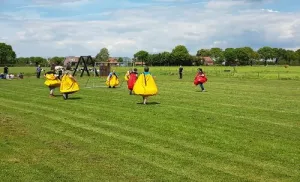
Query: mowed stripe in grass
x,y
190,136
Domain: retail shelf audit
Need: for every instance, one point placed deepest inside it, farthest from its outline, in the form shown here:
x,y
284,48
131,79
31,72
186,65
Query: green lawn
x,y
243,129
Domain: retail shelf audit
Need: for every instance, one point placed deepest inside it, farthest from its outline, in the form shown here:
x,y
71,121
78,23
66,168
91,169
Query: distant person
x,y
145,85
5,71
69,66
112,80
131,80
180,72
21,76
60,72
127,75
200,79
38,71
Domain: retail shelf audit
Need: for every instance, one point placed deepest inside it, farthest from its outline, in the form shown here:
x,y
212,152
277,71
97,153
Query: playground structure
x,y
83,59
100,71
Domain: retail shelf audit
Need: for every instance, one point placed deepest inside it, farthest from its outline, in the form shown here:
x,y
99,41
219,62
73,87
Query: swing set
x,y
100,71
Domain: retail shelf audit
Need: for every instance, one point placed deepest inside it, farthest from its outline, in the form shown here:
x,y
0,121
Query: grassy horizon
x,y
272,72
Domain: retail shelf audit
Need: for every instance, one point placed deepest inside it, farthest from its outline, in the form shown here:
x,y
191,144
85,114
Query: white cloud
x,y
154,29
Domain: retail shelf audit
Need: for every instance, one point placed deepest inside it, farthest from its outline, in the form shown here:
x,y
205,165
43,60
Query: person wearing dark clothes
x,y
21,75
60,73
180,72
5,71
38,71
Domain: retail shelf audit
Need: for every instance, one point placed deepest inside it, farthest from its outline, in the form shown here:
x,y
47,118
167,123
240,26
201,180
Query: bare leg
x,y
51,92
145,100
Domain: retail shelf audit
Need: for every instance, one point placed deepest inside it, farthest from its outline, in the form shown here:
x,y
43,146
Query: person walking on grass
x,y
68,85
200,79
52,81
131,80
5,71
180,72
145,85
38,71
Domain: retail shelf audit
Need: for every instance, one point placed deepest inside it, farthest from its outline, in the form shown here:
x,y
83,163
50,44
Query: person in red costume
x,y
200,79
132,79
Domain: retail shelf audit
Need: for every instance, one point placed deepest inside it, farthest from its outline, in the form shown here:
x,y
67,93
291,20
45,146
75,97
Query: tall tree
x,y
196,60
297,52
141,56
180,56
120,60
57,60
165,58
203,52
7,54
266,53
217,54
290,56
242,56
279,54
230,56
103,55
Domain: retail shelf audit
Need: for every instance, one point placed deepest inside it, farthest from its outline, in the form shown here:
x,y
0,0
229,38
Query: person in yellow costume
x,y
112,80
68,85
145,85
52,81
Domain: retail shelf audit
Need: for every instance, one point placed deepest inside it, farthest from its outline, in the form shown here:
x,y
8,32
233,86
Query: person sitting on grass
x,y
145,85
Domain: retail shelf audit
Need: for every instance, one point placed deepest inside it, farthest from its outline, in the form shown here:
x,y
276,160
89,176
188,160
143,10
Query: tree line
x,y
230,56
178,56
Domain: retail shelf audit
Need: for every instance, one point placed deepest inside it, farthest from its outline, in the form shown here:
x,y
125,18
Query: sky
x,y
50,28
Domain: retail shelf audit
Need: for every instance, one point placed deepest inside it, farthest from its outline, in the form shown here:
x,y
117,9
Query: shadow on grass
x,y
74,98
58,95
148,103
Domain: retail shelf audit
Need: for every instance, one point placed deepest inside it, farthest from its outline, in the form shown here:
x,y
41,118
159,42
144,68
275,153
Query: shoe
x,y
203,91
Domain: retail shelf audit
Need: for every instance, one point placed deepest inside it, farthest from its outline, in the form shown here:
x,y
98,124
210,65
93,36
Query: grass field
x,y
244,129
